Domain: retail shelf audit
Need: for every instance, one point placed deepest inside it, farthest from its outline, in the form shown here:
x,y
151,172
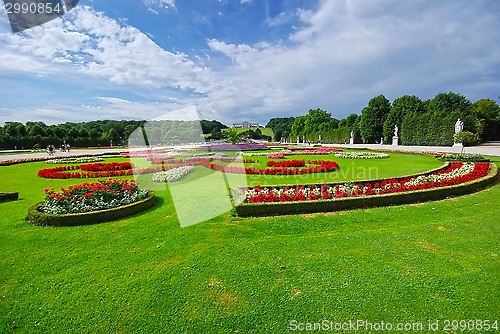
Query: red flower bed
x,y
324,167
126,168
95,171
286,163
258,194
99,167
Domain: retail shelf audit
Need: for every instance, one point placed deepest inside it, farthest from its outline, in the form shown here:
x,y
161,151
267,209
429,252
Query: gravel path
x,y
485,149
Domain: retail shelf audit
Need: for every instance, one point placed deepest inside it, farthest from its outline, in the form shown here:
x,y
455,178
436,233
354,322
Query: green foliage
x,y
314,119
281,127
399,108
373,117
234,136
487,113
299,127
467,138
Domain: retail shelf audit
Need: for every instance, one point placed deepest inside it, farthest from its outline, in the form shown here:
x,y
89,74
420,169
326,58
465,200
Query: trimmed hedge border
x,y
302,207
5,197
37,217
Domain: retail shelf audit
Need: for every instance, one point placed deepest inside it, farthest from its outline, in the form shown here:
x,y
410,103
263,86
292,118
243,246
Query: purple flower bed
x,y
235,147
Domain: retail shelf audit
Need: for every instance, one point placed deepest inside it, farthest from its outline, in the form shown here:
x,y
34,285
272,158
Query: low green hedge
x,y
5,197
292,208
37,217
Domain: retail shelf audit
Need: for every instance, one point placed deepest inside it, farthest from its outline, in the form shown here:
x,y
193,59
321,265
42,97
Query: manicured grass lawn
x,y
411,263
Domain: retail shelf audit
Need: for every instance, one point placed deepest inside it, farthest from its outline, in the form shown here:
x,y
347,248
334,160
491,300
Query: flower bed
x,y
79,160
463,157
99,167
36,217
316,151
172,175
323,166
454,179
454,174
237,160
85,197
96,170
286,163
361,155
233,147
276,156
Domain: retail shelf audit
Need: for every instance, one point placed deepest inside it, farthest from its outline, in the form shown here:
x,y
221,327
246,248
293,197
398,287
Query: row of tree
x,y
429,122
16,135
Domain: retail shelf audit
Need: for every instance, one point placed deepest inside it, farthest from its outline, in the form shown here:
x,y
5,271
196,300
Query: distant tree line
x,y
429,122
16,135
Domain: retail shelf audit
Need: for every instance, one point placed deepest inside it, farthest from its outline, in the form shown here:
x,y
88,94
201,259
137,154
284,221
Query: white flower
x,y
172,175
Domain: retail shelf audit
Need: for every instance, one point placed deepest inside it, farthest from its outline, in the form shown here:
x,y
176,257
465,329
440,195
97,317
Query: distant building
x,y
246,125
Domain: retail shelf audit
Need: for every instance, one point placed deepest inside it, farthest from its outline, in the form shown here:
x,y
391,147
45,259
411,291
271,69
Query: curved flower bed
x,y
85,197
95,171
463,157
454,179
361,155
287,163
172,175
316,151
79,160
36,217
276,156
323,166
237,160
99,167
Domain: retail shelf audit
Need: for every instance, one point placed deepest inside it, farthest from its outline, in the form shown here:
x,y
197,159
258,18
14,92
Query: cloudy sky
x,y
236,60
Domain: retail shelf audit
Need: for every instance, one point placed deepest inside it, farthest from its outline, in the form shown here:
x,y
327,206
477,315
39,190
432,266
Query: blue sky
x,y
236,60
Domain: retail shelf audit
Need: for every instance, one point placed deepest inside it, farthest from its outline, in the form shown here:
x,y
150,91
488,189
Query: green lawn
x,y
143,274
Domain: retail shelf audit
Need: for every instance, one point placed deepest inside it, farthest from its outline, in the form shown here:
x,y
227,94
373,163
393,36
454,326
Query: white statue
x,y
352,134
459,126
396,130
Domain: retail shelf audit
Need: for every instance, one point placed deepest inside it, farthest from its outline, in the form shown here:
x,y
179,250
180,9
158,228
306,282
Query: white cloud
x,y
98,46
155,5
350,51
342,54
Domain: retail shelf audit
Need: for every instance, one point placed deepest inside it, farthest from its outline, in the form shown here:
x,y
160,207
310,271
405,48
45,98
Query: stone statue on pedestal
x,y
459,126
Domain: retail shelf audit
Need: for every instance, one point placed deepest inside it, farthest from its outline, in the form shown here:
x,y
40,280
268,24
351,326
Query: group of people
x,y
64,148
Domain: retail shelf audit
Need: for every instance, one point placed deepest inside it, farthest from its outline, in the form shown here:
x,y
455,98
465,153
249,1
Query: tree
x,y
299,126
314,118
487,113
113,136
36,130
233,135
281,126
21,130
399,108
373,117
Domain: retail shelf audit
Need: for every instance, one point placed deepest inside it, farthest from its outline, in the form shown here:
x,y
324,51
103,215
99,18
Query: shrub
x,y
10,196
466,137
